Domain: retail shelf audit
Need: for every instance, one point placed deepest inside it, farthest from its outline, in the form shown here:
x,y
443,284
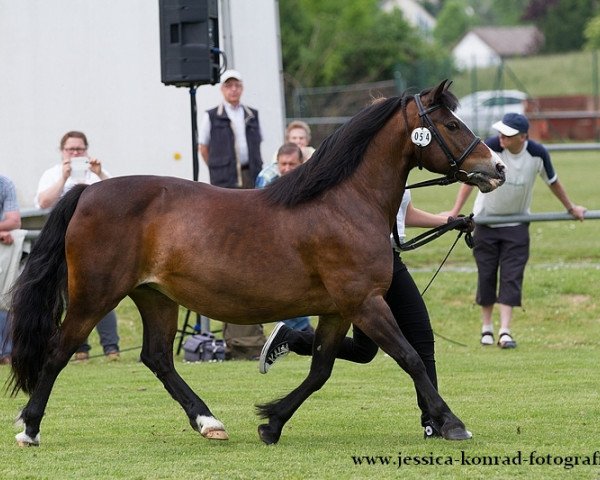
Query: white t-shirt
x,y
401,215
53,175
401,219
514,197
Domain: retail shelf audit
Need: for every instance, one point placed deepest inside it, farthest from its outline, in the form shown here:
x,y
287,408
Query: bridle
x,y
455,174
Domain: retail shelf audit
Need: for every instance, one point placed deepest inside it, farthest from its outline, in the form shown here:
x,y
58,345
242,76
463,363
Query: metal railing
x,y
532,217
568,147
480,219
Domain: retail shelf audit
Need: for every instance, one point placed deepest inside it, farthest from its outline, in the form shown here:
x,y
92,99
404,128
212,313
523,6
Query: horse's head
x,y
444,144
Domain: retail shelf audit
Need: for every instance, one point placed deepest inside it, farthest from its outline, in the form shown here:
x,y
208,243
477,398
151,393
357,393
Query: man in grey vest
x,y
229,137
229,141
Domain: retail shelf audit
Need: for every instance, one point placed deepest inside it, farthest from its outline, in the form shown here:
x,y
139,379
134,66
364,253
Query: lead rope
x,y
441,264
437,334
428,237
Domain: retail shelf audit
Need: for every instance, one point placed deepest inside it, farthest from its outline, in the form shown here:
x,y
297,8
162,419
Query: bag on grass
x,y
204,347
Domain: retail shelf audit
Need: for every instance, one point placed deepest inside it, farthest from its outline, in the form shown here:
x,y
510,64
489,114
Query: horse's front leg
x,y
377,321
328,337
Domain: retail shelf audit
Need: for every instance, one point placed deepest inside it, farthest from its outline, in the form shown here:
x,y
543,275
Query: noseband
x,y
456,174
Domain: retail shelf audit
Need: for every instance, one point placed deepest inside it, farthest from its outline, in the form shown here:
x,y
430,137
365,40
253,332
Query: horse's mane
x,y
340,153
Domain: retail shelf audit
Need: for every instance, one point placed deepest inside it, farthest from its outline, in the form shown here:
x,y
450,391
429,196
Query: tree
x,y
454,20
592,34
493,12
561,21
338,42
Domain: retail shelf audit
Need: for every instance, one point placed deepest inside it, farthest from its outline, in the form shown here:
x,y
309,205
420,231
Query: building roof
x,y
511,41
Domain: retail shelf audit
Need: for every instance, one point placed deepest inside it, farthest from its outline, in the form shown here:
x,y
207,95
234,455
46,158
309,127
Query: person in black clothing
x,y
406,304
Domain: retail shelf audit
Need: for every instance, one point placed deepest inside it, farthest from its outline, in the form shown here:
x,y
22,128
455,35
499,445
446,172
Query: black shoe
x,y
505,340
430,431
274,348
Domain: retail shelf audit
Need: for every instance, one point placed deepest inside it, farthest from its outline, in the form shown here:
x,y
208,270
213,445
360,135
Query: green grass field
x,y
539,403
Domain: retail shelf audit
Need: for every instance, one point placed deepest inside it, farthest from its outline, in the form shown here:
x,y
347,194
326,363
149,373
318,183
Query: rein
x,y
427,237
441,181
431,235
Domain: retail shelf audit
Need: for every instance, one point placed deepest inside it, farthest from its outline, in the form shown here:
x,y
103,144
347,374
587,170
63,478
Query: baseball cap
x,y
228,74
511,124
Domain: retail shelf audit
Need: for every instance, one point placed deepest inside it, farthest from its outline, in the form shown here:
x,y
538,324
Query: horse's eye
x,y
452,125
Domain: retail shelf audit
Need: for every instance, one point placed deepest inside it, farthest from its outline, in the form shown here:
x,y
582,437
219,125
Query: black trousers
x,y
501,254
408,307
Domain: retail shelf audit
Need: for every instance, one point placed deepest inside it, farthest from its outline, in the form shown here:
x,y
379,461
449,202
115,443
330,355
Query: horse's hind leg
x,y
159,315
379,324
75,328
328,338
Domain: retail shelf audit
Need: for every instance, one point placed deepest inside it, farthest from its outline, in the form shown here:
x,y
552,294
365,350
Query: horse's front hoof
x,y
215,434
267,435
457,433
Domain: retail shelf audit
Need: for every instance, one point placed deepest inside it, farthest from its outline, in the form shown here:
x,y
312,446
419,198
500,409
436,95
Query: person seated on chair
x,y
289,157
297,132
10,219
405,302
77,167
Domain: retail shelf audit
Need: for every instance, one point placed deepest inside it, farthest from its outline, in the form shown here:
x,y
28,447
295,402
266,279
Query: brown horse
x,y
319,234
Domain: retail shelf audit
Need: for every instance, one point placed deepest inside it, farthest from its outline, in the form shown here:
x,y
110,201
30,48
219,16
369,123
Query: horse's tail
x,y
39,296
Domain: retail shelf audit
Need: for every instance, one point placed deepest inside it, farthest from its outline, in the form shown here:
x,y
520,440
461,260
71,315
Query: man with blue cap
x,y
504,248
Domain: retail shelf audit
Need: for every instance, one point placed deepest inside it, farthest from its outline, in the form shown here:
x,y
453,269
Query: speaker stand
x,y
194,110
202,323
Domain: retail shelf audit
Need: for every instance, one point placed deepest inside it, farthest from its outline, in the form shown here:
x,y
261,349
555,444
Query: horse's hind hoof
x,y
24,440
215,435
457,433
267,435
27,444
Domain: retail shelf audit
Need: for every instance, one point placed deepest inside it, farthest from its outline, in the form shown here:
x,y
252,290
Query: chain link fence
x,y
555,118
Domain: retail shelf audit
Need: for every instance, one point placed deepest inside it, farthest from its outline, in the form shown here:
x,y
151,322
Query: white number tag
x,y
421,136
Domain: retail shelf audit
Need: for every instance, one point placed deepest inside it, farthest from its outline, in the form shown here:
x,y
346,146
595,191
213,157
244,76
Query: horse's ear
x,y
440,89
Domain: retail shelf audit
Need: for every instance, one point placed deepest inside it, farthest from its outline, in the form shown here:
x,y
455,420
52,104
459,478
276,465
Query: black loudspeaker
x,y
189,42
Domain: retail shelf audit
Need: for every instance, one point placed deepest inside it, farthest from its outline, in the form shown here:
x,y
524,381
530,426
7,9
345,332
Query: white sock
x,y
487,329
